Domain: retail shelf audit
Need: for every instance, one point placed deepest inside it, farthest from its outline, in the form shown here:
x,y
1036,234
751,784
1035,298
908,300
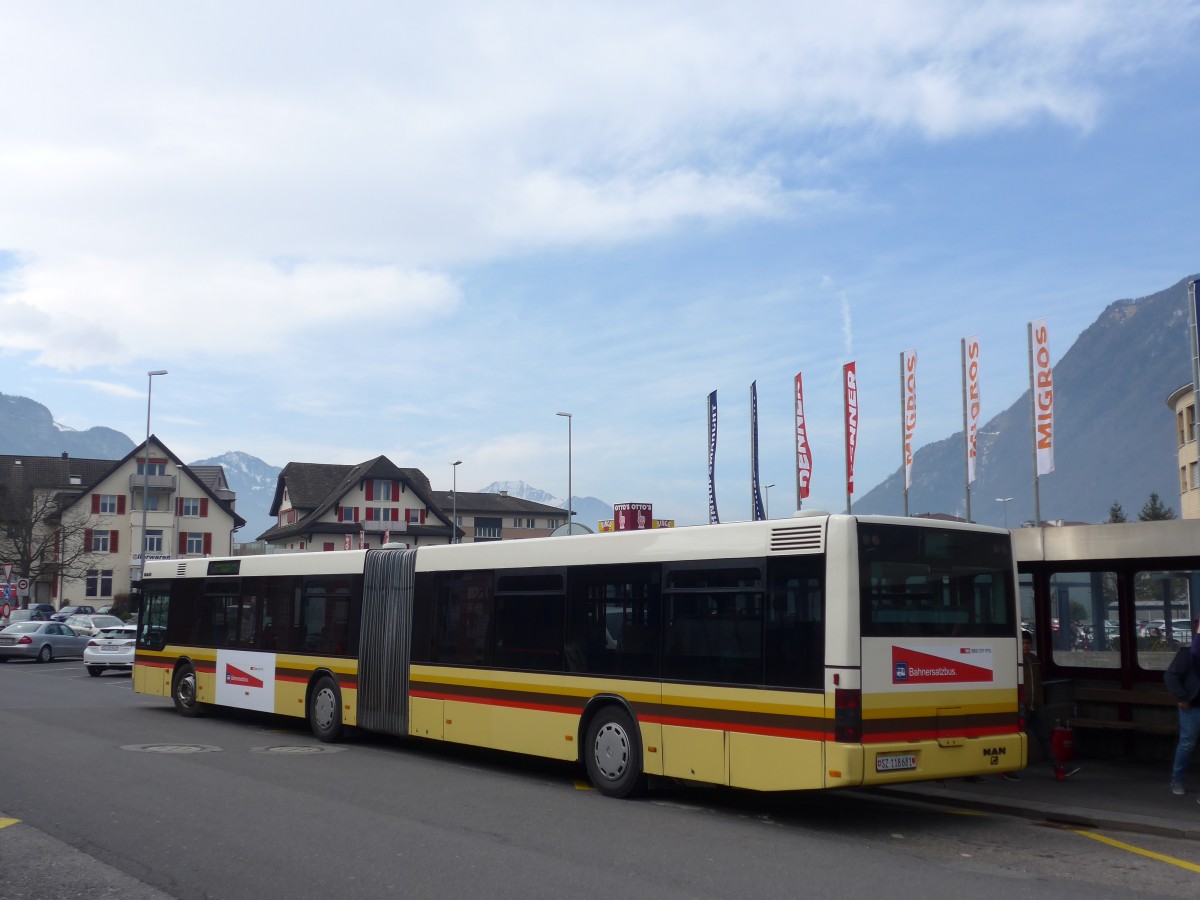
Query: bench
x,y
1127,698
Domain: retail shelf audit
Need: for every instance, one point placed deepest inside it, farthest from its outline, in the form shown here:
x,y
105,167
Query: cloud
x,y
83,310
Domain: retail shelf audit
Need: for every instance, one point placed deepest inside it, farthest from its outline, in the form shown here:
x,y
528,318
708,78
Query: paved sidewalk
x,y
1123,796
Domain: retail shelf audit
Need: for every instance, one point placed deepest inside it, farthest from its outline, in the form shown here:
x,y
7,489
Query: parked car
x,y
89,625
67,611
42,641
41,611
112,648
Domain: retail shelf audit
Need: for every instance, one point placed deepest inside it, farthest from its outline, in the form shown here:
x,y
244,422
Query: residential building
x,y
87,517
324,506
497,516
1182,402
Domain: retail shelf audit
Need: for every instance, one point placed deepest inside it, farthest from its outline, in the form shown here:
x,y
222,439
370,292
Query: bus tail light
x,y
847,716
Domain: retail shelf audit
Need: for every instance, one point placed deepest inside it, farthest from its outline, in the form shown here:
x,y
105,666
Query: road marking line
x,y
4,823
1183,864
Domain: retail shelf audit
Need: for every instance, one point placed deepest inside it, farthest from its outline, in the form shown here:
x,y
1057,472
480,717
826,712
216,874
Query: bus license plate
x,y
897,762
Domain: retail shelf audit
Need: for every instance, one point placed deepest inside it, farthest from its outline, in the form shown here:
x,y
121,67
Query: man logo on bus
x,y
901,672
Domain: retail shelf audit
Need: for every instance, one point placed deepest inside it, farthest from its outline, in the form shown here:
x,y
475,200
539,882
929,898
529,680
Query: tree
x,y
1116,515
36,536
1154,510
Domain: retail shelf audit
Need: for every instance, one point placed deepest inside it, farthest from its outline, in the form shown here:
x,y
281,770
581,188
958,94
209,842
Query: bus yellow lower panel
x,y
152,680
535,732
843,765
763,762
425,718
696,754
467,723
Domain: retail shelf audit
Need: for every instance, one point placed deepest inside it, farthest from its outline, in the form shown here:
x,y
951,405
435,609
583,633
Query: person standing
x,y
1183,681
1034,726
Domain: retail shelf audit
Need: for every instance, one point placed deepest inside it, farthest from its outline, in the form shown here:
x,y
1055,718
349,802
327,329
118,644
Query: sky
x,y
422,230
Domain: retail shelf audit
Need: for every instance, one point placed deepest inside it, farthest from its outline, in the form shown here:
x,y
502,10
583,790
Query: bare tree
x,y
38,538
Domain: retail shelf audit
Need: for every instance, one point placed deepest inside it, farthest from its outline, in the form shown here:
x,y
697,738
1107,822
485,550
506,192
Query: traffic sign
x,y
22,587
8,567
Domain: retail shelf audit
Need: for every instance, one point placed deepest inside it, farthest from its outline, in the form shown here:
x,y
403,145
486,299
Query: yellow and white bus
x,y
813,652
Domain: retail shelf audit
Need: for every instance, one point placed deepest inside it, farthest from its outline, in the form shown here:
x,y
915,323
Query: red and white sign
x,y
971,401
908,366
8,567
803,451
346,543
5,609
850,390
633,516
955,664
246,679
1041,376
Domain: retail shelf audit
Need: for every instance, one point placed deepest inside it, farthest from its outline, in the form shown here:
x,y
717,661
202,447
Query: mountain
x,y
1115,437
254,483
28,428
588,510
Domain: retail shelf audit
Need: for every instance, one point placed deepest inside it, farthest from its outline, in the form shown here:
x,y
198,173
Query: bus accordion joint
x,y
847,716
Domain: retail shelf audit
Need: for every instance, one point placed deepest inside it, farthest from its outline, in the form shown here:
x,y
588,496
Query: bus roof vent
x,y
181,569
798,538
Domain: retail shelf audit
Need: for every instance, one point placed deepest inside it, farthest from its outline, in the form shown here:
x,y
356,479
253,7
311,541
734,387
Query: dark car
x,y
40,612
67,611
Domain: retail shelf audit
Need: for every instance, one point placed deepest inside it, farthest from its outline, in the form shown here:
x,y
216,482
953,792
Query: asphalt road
x,y
105,793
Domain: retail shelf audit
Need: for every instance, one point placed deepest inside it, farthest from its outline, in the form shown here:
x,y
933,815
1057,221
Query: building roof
x,y
225,504
315,488
75,478
496,504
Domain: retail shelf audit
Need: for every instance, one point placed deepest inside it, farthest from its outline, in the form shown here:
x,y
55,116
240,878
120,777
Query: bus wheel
x,y
183,692
325,710
613,754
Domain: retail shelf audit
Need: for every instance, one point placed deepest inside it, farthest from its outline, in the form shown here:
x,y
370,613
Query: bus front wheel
x,y
613,754
183,692
325,710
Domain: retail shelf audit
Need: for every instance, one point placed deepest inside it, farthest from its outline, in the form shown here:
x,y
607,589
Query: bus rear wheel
x,y
325,710
183,692
613,754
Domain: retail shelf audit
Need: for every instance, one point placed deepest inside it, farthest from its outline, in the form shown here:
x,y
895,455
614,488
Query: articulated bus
x,y
818,651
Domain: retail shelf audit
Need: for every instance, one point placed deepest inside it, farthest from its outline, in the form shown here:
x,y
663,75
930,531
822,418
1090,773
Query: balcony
x,y
152,482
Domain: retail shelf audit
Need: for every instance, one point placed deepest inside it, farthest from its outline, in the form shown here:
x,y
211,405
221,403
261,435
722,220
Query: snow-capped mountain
x,y
254,483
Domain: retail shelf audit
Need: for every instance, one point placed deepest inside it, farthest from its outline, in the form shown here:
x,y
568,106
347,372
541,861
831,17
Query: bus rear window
x,y
931,582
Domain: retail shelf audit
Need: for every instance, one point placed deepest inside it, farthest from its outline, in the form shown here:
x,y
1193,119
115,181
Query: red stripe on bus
x,y
932,734
510,704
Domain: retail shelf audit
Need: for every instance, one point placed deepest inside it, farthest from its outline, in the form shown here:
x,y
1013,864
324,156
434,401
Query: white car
x,y
112,648
91,623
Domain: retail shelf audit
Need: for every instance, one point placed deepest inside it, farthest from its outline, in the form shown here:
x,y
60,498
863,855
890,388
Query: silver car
x,y
91,624
112,648
42,641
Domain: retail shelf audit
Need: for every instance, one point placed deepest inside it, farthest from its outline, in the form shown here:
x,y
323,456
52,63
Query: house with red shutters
x,y
185,513
106,512
326,506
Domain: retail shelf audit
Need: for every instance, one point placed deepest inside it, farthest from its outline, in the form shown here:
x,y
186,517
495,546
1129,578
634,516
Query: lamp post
x,y
767,500
570,504
146,466
454,501
1005,501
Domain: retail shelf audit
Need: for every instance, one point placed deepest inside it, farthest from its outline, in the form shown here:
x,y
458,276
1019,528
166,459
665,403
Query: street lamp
x,y
1005,501
146,467
767,500
570,504
454,499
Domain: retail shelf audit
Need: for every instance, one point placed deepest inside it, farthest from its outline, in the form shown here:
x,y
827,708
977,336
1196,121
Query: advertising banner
x,y
850,393
803,452
755,490
713,518
1041,379
971,405
908,412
